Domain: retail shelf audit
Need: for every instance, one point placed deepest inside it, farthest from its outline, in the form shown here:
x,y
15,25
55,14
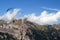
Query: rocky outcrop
x,y
29,31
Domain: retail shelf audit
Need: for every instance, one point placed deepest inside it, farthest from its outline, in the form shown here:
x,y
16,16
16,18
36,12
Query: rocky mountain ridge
x,y
28,31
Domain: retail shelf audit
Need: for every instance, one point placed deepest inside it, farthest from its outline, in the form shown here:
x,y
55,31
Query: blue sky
x,y
28,6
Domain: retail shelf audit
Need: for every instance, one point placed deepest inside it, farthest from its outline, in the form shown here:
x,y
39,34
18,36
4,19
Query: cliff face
x,y
15,30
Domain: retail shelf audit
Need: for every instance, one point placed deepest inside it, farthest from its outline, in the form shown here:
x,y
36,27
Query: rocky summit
x,y
16,30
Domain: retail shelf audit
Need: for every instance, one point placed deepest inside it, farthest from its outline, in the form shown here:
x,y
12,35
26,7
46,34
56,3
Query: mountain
x,y
16,30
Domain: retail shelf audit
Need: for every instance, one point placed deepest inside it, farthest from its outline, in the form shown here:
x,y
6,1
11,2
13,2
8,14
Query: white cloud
x,y
50,8
44,18
9,15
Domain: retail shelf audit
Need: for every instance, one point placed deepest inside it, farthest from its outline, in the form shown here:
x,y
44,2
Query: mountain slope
x,y
31,31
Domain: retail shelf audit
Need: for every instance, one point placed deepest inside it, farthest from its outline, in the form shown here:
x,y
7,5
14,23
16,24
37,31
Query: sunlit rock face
x,y
28,31
16,29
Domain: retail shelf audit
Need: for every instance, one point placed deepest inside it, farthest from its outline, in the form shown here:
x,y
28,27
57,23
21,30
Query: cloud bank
x,y
44,18
9,15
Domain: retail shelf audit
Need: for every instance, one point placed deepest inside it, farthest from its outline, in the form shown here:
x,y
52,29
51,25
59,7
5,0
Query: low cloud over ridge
x,y
44,18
